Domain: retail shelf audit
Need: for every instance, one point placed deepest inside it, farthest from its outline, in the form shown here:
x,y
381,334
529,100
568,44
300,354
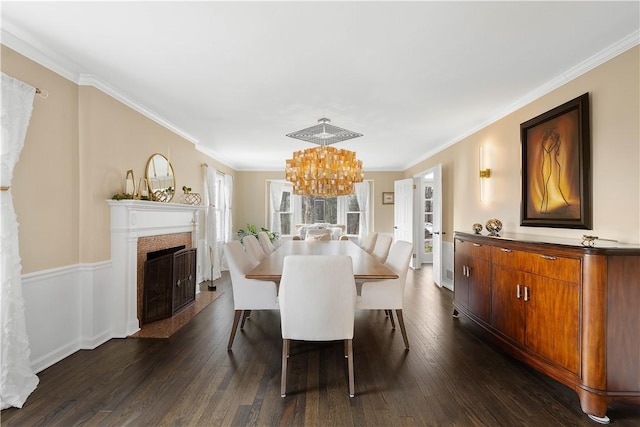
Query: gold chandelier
x,y
324,171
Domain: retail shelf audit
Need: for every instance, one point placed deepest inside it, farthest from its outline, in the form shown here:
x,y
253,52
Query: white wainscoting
x,y
66,310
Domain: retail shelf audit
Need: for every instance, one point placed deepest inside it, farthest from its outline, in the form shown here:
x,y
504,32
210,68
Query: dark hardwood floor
x,y
449,377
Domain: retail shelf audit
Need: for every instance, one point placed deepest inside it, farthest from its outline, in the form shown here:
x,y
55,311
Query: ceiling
x,y
236,77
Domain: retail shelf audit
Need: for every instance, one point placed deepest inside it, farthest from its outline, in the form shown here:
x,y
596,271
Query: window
x,y
353,215
286,212
294,209
319,209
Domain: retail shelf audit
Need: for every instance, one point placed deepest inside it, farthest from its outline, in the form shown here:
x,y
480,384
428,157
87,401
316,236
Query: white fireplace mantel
x,y
130,220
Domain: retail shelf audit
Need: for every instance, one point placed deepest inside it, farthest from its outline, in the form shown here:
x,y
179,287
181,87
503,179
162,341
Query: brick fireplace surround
x,y
138,227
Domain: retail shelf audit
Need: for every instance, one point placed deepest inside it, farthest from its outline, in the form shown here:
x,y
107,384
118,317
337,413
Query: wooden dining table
x,y
365,266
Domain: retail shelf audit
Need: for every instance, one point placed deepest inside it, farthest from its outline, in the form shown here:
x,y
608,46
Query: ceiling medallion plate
x,y
324,133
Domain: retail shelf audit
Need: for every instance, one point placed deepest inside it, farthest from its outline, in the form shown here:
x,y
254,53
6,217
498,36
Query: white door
x,y
403,227
428,225
437,224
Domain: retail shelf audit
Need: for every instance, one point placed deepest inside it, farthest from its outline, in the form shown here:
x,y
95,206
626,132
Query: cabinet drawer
x,y
477,251
554,267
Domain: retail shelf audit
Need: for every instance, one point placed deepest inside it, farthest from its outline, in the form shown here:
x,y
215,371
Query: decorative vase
x,y
477,228
493,226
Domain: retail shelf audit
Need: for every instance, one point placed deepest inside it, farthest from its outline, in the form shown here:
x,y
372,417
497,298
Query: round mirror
x,y
160,178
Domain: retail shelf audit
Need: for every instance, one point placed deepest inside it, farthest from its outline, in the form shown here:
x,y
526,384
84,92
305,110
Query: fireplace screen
x,y
169,282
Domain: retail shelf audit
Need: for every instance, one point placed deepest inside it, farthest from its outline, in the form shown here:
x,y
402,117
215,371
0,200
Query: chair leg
x,y
285,357
236,319
402,328
245,315
393,323
349,344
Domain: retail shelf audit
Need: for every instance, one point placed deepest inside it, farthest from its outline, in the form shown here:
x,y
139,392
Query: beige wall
x,y
45,184
614,89
79,145
250,204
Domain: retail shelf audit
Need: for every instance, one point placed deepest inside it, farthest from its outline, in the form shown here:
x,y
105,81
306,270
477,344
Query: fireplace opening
x,y
169,282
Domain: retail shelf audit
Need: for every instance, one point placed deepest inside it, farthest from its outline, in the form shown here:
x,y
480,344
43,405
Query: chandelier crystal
x,y
324,171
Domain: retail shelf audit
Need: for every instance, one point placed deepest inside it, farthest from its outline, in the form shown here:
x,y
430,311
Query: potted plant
x,y
253,230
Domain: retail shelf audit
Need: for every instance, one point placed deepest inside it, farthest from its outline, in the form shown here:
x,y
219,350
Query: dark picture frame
x,y
387,198
556,167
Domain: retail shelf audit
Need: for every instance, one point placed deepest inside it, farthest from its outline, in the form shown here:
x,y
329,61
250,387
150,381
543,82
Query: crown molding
x,y
101,85
33,50
574,72
215,155
63,67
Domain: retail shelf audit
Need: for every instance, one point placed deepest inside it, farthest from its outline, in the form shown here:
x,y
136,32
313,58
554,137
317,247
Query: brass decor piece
x,y
493,226
190,198
324,171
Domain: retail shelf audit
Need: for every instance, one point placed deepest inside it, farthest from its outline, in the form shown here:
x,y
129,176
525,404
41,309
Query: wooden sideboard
x,y
572,312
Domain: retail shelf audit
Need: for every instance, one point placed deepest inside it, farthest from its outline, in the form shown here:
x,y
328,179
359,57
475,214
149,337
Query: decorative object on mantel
x,y
161,178
129,189
324,171
129,183
143,190
190,198
493,226
477,228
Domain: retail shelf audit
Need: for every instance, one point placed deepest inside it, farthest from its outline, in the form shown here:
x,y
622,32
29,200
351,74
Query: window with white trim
x,y
295,209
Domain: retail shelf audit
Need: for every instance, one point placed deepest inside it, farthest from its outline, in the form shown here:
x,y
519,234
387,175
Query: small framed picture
x,y
387,198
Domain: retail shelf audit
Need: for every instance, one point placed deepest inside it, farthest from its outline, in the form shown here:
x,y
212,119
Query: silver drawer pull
x,y
550,258
505,250
518,294
477,245
527,295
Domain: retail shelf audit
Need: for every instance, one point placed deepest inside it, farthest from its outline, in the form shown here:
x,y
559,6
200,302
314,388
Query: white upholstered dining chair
x,y
317,303
368,242
253,248
248,294
381,247
265,242
320,234
389,294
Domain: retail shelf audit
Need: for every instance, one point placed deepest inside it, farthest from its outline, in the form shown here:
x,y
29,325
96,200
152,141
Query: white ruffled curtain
x,y
211,234
17,379
362,195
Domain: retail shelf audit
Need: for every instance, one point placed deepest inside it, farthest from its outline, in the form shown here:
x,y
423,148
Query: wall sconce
x,y
485,172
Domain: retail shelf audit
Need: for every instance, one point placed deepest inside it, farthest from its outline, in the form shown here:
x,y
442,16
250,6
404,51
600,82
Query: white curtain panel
x,y
17,379
228,203
362,194
228,221
275,200
212,237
